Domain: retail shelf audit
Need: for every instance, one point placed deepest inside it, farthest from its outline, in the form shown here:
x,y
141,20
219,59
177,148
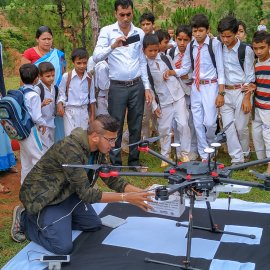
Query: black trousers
x,y
120,99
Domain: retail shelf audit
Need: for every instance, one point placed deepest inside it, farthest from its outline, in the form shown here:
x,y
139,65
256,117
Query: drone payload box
x,y
173,207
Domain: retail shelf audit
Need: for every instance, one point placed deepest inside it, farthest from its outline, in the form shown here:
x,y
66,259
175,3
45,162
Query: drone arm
x,y
146,174
248,164
241,182
152,152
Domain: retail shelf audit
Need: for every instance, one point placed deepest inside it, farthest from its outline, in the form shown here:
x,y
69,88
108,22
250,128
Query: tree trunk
x,y
94,20
83,25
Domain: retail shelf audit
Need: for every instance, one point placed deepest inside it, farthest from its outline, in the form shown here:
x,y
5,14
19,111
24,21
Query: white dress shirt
x,y
33,104
78,92
126,62
168,91
48,111
234,73
207,69
102,80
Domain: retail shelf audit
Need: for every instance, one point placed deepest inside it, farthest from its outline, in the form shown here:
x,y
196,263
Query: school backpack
x,y
14,115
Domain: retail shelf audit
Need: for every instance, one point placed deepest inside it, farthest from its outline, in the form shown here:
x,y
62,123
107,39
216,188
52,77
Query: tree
x,y
94,20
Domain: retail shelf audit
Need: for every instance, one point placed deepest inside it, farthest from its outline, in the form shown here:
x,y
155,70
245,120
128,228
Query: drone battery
x,y
173,207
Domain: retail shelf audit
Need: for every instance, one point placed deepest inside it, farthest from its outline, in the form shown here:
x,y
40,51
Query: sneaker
x,y
184,159
164,164
247,158
16,233
236,163
193,156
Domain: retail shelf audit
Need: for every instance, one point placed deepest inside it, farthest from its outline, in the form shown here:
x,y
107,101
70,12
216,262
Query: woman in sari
x,y
44,52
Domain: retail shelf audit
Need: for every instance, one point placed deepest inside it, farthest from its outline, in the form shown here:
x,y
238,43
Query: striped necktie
x,y
197,68
179,60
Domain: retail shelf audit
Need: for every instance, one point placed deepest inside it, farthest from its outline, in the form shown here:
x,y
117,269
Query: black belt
x,y
127,83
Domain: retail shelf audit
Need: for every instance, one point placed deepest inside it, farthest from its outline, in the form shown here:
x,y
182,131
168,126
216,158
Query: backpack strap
x,y
67,84
56,93
210,50
166,60
242,54
42,91
89,80
150,77
171,52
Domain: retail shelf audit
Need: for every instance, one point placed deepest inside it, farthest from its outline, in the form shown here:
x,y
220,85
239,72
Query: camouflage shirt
x,y
49,183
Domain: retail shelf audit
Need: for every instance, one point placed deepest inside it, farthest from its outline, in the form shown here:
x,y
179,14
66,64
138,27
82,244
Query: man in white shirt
x,y
129,85
237,103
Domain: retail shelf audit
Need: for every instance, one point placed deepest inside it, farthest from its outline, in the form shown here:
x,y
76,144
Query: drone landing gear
x,y
214,227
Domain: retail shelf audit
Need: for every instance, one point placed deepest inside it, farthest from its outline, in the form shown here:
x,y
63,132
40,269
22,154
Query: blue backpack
x,y
14,115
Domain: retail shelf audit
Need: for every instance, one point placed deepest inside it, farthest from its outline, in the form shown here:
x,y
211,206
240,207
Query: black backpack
x,y
42,91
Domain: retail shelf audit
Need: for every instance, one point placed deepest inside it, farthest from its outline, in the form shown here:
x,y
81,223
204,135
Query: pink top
x,y
31,55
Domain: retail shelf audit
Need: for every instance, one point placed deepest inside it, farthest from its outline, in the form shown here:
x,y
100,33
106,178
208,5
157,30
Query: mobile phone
x,y
55,258
131,39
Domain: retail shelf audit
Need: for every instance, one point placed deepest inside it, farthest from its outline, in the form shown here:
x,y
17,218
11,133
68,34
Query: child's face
x,y
171,33
261,49
241,34
47,78
151,51
80,65
182,41
147,27
228,38
163,45
200,34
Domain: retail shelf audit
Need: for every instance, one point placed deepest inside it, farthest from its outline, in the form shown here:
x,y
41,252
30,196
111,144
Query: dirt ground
x,y
10,200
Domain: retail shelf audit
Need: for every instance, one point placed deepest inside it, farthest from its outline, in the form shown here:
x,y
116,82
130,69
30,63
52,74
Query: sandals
x,y
4,190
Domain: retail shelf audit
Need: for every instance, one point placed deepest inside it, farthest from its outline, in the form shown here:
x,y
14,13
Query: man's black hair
x,y
162,34
199,20
228,23
103,123
45,67
150,39
261,36
184,29
123,4
243,24
147,16
28,73
81,53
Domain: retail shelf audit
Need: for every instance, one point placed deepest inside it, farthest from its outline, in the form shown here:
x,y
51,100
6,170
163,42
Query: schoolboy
x,y
172,105
183,37
147,22
164,39
170,31
237,103
46,89
31,148
208,81
76,94
261,122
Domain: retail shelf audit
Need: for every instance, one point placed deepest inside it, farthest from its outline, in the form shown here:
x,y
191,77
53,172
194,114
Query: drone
x,y
196,180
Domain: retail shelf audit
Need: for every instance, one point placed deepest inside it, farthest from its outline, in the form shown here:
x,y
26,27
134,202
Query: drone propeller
x,y
97,166
147,140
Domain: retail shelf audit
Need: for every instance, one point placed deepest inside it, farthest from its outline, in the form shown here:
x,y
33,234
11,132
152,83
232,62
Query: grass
x,y
8,248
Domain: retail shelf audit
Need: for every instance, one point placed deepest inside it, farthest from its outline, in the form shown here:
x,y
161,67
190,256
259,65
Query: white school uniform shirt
x,y
233,71
207,69
48,111
78,92
102,80
168,91
33,104
126,62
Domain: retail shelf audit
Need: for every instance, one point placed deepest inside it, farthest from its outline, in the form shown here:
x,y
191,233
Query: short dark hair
x,y
103,123
199,20
123,4
228,23
43,29
243,24
45,67
147,16
150,39
162,34
261,36
184,29
28,73
81,53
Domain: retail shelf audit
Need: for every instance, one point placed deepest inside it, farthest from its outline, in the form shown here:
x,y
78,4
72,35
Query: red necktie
x,y
197,68
179,61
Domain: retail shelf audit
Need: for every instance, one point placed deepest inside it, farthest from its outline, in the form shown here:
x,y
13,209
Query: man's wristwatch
x,y
222,93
